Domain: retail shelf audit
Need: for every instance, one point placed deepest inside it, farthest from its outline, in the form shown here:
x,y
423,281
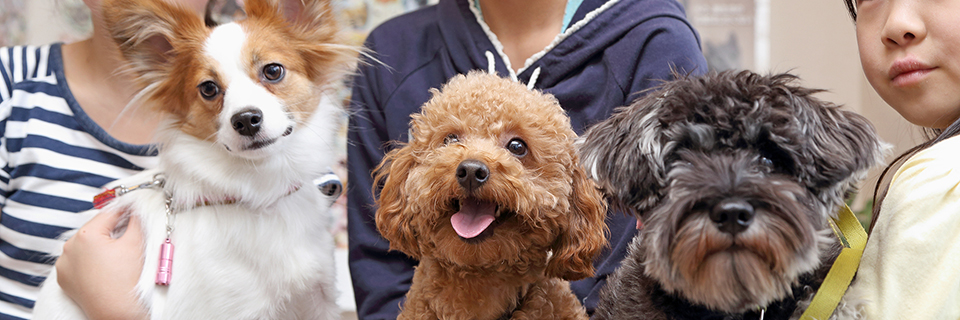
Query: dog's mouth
x,y
259,144
475,219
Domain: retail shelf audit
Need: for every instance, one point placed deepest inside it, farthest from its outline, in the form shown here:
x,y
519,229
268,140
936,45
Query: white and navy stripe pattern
x,y
54,160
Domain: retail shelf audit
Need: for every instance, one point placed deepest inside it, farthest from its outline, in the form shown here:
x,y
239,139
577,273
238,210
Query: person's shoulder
x,y
653,8
934,168
26,57
404,43
26,64
643,18
946,152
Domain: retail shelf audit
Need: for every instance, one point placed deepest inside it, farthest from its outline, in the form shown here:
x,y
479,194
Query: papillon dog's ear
x,y
394,220
584,234
314,32
145,31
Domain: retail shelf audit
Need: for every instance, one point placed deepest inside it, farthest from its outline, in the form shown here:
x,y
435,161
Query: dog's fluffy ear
x,y
585,233
843,147
624,154
394,221
145,31
314,33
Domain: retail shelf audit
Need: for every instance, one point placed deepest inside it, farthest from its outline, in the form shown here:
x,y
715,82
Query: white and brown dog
x,y
246,130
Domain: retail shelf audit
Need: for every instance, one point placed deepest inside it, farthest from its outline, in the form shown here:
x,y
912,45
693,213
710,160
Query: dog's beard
x,y
691,256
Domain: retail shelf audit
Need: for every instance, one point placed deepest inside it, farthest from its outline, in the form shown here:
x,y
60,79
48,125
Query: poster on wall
x,y
733,33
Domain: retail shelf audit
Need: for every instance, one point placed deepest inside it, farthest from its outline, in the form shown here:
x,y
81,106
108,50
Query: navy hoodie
x,y
611,52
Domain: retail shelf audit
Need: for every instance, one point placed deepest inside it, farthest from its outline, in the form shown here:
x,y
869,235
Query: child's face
x,y
910,52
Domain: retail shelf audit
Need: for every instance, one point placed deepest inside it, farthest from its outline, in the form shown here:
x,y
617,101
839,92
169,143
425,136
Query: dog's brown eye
x,y
451,138
273,72
517,147
209,90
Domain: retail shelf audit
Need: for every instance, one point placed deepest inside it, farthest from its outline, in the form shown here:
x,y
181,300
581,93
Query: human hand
x,y
99,272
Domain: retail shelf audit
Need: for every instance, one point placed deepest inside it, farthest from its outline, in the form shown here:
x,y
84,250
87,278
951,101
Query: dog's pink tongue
x,y
474,217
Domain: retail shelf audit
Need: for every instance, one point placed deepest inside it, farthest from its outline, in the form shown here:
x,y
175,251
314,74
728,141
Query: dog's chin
x,y
733,274
257,147
735,281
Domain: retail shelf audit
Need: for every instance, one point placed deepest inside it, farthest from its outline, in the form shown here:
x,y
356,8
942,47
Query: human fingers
x,y
103,223
133,234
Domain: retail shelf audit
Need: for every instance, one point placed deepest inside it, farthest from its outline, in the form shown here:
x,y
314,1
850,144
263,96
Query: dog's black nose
x,y
471,174
247,122
732,215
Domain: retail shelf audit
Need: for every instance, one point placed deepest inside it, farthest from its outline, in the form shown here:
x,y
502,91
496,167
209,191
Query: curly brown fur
x,y
549,216
734,176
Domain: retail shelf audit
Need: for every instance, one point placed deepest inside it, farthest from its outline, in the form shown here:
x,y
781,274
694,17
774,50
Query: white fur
x,y
269,256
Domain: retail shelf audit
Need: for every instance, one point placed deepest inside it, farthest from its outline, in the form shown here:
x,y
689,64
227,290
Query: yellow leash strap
x,y
841,273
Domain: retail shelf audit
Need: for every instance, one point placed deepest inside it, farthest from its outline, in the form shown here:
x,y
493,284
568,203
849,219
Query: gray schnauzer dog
x,y
733,177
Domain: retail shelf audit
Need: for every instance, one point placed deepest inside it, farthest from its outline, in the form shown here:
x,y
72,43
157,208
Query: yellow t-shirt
x,y
911,265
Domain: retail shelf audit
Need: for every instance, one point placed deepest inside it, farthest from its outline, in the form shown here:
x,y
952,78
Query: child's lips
x,y
908,72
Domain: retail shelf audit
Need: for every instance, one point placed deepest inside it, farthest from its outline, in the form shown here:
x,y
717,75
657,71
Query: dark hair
x,y
851,8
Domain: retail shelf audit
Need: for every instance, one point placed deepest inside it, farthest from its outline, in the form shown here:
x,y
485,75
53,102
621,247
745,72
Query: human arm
x,y
381,277
909,267
19,63
99,272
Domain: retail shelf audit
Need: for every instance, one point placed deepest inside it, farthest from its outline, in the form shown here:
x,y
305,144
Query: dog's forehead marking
x,y
229,48
225,46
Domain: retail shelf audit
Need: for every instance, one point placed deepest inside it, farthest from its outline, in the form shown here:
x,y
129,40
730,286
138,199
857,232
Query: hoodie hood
x,y
594,27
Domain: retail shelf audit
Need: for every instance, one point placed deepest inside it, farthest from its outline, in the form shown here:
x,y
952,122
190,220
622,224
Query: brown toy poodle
x,y
489,195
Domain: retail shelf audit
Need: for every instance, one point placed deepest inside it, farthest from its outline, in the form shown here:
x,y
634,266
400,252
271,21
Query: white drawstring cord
x,y
491,64
533,78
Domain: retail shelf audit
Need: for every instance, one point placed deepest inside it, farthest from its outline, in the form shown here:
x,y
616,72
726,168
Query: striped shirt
x,y
55,159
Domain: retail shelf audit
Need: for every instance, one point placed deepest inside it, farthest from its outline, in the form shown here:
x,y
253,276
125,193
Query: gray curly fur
x,y
673,155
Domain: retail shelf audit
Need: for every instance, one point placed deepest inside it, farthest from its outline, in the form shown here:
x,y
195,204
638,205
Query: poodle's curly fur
x,y
549,223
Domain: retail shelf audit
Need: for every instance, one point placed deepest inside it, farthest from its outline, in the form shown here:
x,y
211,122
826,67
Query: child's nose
x,y
904,24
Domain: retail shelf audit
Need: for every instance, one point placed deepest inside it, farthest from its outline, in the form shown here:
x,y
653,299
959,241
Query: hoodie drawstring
x,y
492,69
491,64
533,78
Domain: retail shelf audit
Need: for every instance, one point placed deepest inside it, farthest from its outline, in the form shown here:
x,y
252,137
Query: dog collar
x,y
102,199
825,301
329,186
